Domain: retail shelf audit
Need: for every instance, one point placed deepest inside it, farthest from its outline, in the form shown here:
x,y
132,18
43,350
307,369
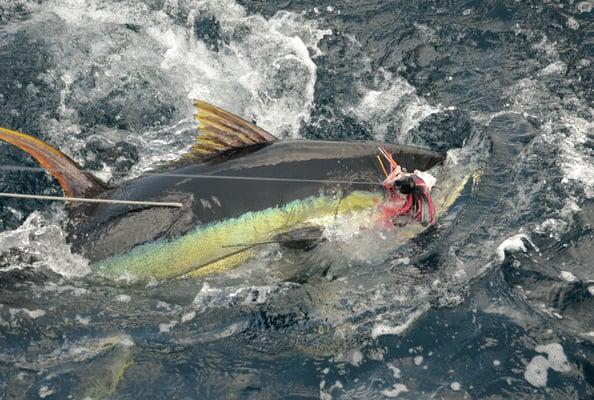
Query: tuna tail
x,y
72,179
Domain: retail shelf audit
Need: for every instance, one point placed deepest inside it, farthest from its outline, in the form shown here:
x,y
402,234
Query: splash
x,y
537,370
565,127
393,108
41,242
136,84
514,243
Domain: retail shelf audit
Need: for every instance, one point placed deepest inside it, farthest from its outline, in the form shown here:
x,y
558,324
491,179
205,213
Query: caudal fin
x,y
72,179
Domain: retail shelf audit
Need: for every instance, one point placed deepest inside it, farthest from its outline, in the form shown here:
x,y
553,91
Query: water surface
x,y
494,302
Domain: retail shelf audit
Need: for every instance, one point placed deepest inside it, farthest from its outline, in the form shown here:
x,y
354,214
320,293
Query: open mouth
x,y
408,195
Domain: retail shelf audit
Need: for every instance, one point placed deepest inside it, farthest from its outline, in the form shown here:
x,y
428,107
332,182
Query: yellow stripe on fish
x,y
210,248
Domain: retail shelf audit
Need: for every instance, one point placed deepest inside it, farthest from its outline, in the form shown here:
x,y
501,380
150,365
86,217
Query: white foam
x,y
568,276
383,329
356,358
397,389
455,386
395,105
402,261
564,129
555,68
82,320
188,316
396,371
78,352
209,297
45,391
163,305
166,328
555,227
572,23
42,238
33,314
123,298
418,360
585,6
380,329
75,291
263,69
537,370
125,340
556,356
514,243
206,296
577,165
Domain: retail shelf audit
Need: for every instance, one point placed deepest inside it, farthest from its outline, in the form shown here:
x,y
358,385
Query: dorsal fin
x,y
221,131
72,179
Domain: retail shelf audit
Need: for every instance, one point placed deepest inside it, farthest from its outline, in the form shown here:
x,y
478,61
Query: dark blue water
x,y
494,302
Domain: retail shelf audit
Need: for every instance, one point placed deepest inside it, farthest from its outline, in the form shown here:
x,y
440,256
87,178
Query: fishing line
x,y
207,176
89,200
173,175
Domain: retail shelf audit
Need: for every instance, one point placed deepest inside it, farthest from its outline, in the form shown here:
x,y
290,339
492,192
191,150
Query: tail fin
x,y
72,179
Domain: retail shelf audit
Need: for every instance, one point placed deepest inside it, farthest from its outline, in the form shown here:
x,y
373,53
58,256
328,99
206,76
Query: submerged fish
x,y
240,188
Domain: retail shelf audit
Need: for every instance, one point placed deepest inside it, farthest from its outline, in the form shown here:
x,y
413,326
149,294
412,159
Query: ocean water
x,y
494,302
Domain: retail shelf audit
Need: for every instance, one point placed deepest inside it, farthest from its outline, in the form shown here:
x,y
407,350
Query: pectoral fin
x,y
305,238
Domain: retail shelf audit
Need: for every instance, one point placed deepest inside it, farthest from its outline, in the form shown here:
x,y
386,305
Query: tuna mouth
x,y
408,195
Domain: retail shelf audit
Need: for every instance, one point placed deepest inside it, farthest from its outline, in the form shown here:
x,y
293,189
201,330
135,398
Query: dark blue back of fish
x,y
293,170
